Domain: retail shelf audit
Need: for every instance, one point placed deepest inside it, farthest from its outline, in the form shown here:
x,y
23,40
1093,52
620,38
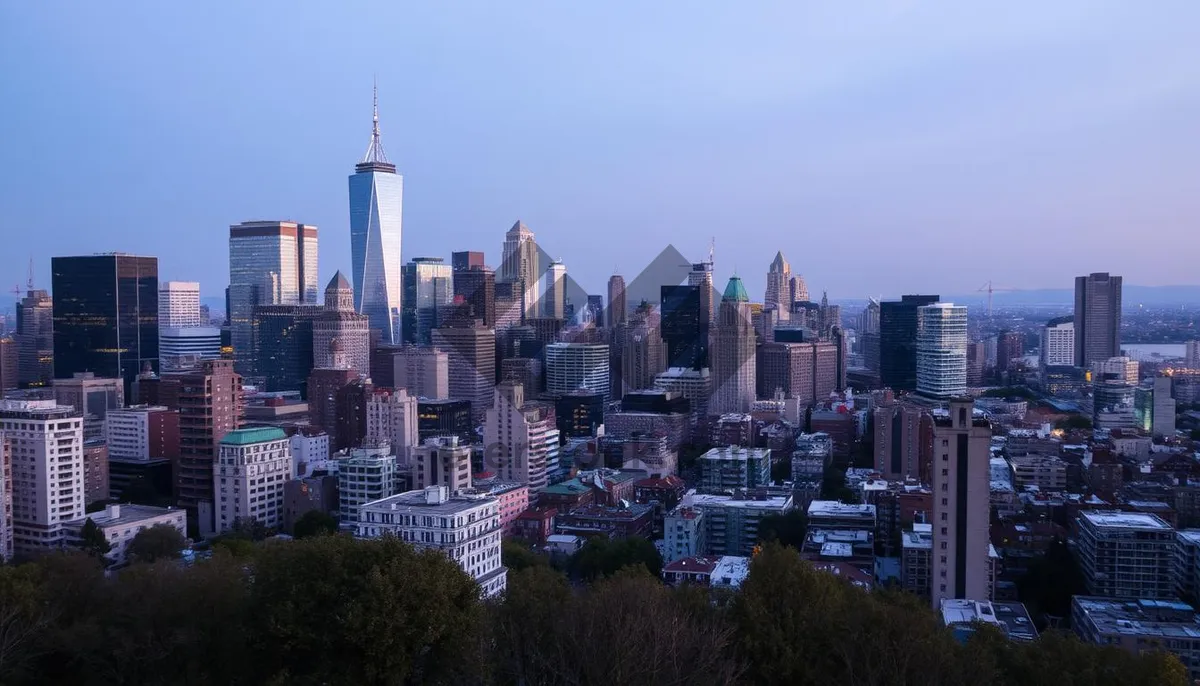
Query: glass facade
x,y
684,327
428,284
283,346
105,315
376,199
898,341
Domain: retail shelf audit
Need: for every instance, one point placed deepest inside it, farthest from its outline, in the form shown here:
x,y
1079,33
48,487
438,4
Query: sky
x,y
885,147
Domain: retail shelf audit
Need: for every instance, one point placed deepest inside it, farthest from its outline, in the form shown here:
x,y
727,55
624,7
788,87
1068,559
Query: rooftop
x,y
697,564
256,435
1011,618
730,571
1125,520
123,515
770,503
1190,535
415,501
835,508
1162,618
736,453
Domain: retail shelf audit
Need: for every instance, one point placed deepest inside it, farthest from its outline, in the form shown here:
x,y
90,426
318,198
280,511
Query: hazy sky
x,y
885,147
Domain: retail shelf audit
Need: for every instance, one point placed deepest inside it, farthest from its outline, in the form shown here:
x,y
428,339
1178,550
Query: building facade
x,y
35,339
471,360
961,491
340,322
1058,342
251,469
392,417
734,373
577,366
442,461
1126,554
47,471
1097,318
179,304
428,289
898,341
941,350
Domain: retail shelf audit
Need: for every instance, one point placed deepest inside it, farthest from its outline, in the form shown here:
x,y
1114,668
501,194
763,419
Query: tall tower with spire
x,y
779,291
734,370
520,265
376,203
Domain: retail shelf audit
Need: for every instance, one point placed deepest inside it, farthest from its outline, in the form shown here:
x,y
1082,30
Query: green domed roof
x,y
734,290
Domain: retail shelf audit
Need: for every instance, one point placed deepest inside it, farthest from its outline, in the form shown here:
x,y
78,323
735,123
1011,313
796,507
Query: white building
x,y
576,366
517,436
464,526
1058,342
695,385
442,461
941,350
120,524
367,475
392,417
683,534
556,290
179,304
46,444
1191,354
1122,369
181,348
423,372
131,432
310,449
248,477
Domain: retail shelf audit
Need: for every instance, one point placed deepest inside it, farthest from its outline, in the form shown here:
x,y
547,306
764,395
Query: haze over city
x,y
900,148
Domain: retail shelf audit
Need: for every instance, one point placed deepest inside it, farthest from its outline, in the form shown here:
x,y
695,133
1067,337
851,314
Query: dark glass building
x,y
477,286
898,341
445,418
579,413
684,329
105,315
283,346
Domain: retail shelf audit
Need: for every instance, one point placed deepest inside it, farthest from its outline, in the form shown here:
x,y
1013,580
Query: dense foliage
x,y
334,610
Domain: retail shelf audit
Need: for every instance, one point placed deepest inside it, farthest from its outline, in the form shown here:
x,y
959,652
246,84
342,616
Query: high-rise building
x,y
367,475
466,260
250,472
898,445
868,321
961,489
701,278
92,396
693,385
6,496
282,337
1191,354
181,348
977,362
807,371
779,289
423,372
643,355
9,364
1010,346
1097,318
520,265
799,289
1058,342
685,327
516,437
376,204
616,300
444,418
941,350
428,287
471,356
477,286
179,304
1123,369
1126,555
340,321
733,371
898,341
46,481
142,433
392,418
577,366
442,461
556,290
35,339
105,315
270,263
593,312
337,402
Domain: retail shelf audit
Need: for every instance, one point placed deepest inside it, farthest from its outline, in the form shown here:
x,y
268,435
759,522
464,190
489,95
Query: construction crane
x,y
992,289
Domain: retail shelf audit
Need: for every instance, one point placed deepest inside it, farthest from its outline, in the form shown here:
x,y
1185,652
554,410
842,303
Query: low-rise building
x,y
1140,625
683,534
1187,563
304,494
1012,619
603,520
535,525
833,514
730,522
915,564
1046,472
1126,554
121,523
694,569
441,461
513,498
464,526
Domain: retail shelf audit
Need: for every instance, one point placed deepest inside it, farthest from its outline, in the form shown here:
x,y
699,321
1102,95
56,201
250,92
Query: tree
x,y
92,540
1075,421
517,556
159,542
249,528
602,557
788,529
315,523
1052,579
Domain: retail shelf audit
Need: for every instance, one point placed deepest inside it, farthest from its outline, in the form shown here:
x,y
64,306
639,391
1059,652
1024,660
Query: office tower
x,y
1058,342
555,301
444,418
961,488
868,321
941,350
282,337
701,278
471,354
442,461
798,288
527,371
977,362
376,203
806,371
392,419
476,284
593,312
92,396
516,437
733,369
1097,318
35,339
520,266
179,304
898,445
1010,347
1191,354
693,385
9,364
337,401
1126,555
508,305
428,285
339,321
466,260
46,480
270,263
209,402
251,469
579,413
1122,369
577,366
105,315
423,372
643,355
1162,408
616,300
181,348
684,330
898,341
779,289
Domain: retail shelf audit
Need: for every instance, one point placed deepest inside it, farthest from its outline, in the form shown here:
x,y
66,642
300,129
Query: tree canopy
x,y
315,523
159,542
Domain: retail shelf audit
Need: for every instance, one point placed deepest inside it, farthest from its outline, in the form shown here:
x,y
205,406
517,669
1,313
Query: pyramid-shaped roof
x,y
735,290
338,282
780,264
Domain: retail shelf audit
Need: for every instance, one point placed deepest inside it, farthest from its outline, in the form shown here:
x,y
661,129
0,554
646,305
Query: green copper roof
x,y
258,435
736,291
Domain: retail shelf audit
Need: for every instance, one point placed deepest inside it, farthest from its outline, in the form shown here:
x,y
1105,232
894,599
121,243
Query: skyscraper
x,y
520,265
1097,318
1058,342
643,355
8,364
941,350
868,321
556,290
179,304
428,286
105,315
616,300
799,289
574,366
733,370
476,284
376,203
515,436
283,346
35,339
340,321
898,341
961,473
464,260
779,289
270,263
701,277
684,327
471,354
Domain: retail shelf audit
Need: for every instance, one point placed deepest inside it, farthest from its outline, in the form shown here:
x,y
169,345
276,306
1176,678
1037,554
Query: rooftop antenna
x,y
375,152
712,247
29,281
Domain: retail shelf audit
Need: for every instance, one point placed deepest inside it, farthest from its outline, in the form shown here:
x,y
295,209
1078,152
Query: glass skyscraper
x,y
376,196
428,286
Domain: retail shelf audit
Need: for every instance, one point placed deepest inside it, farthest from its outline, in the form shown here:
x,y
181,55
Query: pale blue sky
x,y
885,147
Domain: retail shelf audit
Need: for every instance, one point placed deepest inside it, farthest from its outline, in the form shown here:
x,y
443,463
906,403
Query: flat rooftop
x,y
1125,520
1190,535
1163,618
414,501
835,508
772,503
1011,618
127,515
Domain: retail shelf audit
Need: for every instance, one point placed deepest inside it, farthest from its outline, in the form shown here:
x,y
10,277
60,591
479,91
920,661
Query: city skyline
x,y
785,181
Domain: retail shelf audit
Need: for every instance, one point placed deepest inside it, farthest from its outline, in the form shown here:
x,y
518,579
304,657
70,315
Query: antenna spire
x,y
375,153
